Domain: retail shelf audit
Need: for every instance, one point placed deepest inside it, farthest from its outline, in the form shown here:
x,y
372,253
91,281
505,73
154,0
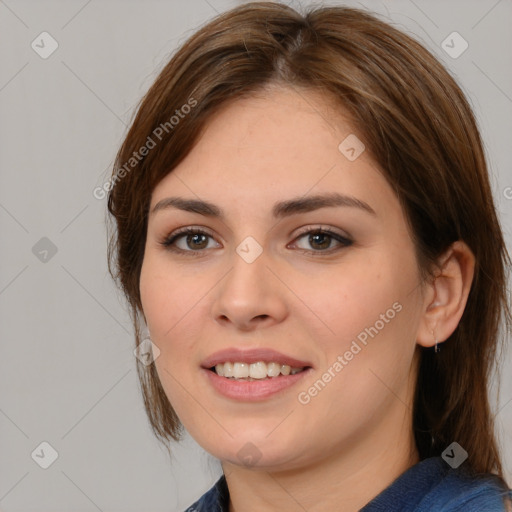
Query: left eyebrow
x,y
308,204
280,210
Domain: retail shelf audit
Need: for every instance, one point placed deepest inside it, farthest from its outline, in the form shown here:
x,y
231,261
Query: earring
x,y
436,347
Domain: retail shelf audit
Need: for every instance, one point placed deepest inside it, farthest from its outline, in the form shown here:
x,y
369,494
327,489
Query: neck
x,y
345,481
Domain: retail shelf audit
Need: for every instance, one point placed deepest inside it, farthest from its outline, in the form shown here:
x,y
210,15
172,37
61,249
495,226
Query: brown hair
x,y
418,127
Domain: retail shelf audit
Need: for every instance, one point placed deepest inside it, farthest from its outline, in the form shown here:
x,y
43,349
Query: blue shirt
x,y
429,486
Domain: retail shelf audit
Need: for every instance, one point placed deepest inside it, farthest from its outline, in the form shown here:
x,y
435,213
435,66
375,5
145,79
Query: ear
x,y
446,295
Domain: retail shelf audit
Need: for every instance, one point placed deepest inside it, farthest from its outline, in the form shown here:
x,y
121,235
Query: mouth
x,y
260,370
251,375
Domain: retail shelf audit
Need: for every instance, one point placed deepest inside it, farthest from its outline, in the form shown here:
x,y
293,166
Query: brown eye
x,y
321,240
196,241
188,240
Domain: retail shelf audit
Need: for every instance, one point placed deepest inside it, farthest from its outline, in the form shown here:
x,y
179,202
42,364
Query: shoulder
x,y
430,486
433,486
478,495
480,499
459,491
214,500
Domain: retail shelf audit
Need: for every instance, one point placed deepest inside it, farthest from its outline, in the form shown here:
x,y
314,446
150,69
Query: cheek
x,y
365,325
167,296
175,304
169,302
366,363
357,296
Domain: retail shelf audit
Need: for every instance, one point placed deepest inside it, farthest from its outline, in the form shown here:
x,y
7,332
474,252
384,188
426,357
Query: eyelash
x,y
168,242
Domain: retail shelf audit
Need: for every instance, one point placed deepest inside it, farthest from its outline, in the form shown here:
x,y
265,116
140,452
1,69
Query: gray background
x,y
67,369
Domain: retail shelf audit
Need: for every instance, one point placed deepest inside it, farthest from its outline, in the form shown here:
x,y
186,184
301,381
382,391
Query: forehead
x,y
276,144
277,124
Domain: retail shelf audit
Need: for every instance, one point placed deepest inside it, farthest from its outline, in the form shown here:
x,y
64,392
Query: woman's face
x,y
261,284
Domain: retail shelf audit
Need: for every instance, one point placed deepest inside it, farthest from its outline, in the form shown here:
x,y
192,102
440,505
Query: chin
x,y
259,453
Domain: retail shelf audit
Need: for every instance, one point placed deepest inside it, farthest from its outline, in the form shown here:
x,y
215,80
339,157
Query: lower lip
x,y
252,391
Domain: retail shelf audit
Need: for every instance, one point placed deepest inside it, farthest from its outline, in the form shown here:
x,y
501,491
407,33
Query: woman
x,y
305,226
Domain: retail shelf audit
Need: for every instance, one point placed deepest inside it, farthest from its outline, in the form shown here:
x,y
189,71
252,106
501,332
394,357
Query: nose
x,y
250,296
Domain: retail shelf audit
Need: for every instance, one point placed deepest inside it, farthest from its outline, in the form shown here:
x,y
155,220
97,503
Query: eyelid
x,y
190,229
170,239
324,229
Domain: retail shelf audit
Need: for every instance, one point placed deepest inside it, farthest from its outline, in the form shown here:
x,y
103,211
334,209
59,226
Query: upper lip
x,y
254,355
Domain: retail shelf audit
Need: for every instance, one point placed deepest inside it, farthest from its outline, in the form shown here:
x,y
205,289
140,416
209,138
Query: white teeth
x,y
220,369
258,370
285,369
273,369
228,369
240,370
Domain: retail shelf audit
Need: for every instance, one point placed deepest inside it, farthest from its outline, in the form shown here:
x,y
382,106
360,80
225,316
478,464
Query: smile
x,y
254,371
